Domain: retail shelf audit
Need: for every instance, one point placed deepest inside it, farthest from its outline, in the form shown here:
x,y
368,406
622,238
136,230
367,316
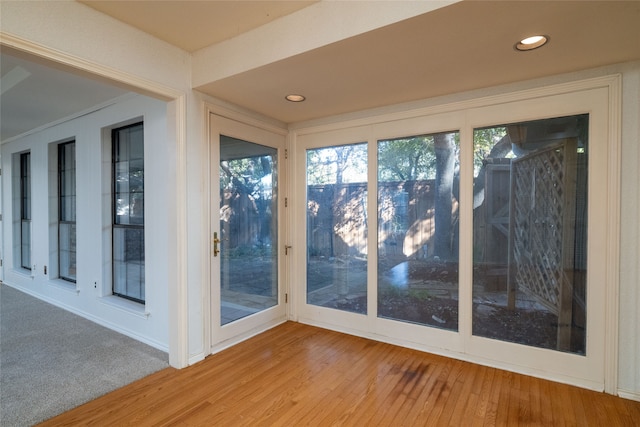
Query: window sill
x,y
24,273
64,285
125,305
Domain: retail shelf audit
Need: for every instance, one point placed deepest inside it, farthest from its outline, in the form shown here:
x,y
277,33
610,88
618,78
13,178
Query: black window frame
x,y
63,215
25,207
117,226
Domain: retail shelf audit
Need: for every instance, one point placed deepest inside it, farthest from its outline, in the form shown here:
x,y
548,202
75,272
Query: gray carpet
x,y
52,360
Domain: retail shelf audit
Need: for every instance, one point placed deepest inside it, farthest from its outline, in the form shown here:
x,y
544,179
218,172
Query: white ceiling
x,y
36,93
193,25
464,46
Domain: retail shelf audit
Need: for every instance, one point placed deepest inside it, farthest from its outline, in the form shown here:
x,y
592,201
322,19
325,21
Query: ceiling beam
x,y
315,26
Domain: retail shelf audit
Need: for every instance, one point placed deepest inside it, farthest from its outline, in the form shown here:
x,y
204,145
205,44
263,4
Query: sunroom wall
x,y
89,296
628,361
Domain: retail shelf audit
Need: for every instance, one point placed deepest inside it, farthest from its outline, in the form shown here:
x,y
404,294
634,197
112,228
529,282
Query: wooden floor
x,y
298,375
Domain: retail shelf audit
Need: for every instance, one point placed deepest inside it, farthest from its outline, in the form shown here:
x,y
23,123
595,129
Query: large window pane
x,y
67,211
25,244
25,210
418,229
128,262
128,212
530,233
129,176
67,251
248,228
337,227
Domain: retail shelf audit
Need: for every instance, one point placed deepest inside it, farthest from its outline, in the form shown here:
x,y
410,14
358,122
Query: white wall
x,y
90,296
198,241
629,338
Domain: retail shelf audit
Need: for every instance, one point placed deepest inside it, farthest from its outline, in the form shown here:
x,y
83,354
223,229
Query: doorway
x,y
246,279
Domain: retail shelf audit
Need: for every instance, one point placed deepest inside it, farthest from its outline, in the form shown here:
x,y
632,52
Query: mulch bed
x,y
530,327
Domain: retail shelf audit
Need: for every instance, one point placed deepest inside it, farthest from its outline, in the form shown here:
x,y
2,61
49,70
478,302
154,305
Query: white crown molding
x,y
133,82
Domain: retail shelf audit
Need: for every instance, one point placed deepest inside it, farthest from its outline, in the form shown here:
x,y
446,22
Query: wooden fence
x,y
337,219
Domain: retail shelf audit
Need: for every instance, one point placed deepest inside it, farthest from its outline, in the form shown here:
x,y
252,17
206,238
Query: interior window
x,y
25,210
128,212
67,211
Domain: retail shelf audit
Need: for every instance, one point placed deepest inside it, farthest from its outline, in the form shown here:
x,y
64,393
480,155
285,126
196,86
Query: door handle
x,y
216,251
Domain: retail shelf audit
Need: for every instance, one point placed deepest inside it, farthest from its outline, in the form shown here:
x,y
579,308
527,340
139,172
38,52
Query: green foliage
x,y
409,158
247,175
337,165
406,159
248,169
400,159
420,294
394,293
483,141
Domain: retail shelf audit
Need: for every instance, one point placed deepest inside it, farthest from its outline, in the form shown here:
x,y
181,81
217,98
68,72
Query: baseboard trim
x,y
629,395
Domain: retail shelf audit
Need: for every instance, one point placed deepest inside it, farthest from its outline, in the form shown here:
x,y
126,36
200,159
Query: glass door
x,y
246,291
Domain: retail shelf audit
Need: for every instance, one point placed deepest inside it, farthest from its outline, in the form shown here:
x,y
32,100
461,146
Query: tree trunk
x,y
445,163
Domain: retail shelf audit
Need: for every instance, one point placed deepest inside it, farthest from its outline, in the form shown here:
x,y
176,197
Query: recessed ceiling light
x,y
295,98
532,42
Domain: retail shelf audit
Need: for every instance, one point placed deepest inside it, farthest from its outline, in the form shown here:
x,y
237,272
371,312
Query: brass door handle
x,y
216,251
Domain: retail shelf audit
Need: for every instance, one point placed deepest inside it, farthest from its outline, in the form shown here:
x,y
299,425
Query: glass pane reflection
x,y
337,227
248,229
530,225
418,230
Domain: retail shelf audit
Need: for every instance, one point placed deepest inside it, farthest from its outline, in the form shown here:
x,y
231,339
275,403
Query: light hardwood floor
x,y
298,375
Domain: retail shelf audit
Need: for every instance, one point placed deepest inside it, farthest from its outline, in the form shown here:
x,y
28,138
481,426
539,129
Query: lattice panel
x,y
538,204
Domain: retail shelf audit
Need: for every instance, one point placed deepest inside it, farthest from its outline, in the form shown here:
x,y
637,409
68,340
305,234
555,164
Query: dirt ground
x,y
527,327
530,325
429,297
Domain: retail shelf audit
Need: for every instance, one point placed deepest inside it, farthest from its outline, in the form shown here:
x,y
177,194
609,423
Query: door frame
x,y
505,108
233,333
